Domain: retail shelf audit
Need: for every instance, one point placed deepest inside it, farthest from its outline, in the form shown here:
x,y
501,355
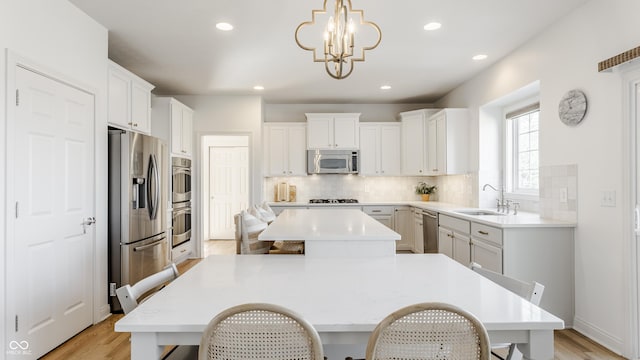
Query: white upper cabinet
x,y
129,101
179,117
286,149
380,149
448,138
333,131
414,144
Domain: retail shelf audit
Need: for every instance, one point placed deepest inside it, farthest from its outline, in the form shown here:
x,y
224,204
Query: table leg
x,y
144,346
539,347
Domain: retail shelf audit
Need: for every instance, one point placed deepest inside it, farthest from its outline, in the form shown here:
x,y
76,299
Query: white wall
x,y
369,112
226,115
60,39
565,57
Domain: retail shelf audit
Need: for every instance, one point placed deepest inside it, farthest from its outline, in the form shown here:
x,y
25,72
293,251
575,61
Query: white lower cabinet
x,y
486,246
454,239
384,214
542,254
487,255
403,225
181,252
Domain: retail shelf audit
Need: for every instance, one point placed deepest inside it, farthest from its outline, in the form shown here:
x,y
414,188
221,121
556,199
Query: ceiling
x,y
176,46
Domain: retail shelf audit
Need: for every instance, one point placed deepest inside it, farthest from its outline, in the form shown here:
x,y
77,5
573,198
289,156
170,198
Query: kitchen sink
x,y
477,212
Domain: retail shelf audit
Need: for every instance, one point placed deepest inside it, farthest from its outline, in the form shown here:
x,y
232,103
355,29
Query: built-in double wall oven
x,y
181,200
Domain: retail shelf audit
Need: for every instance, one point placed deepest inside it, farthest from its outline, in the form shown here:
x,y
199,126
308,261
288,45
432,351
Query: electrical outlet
x,y
608,198
563,195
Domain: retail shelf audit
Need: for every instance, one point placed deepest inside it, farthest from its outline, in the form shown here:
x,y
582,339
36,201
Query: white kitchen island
x,y
333,232
343,298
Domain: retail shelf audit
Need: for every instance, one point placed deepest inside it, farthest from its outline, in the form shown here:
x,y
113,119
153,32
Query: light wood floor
x,y
100,342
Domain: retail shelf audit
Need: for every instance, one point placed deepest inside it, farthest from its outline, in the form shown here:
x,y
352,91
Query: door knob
x,y
86,222
89,221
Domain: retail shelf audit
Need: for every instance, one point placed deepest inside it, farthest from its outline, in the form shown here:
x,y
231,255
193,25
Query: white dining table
x,y
331,232
343,298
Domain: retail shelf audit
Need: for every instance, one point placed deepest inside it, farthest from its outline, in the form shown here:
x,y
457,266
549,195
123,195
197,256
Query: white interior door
x,y
51,183
228,188
636,118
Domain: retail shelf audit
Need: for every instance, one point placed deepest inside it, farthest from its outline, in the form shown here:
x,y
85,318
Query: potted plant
x,y
425,190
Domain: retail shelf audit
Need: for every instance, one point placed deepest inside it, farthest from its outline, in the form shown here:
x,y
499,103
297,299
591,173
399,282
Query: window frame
x,y
511,162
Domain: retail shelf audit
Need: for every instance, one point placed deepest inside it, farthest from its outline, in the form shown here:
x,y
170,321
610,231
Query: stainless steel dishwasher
x,y
430,231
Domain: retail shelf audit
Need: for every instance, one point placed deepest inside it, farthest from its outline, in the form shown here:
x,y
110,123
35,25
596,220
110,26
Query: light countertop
x,y
327,224
522,219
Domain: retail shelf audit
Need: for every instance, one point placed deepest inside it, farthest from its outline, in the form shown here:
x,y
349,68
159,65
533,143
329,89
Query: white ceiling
x,y
175,45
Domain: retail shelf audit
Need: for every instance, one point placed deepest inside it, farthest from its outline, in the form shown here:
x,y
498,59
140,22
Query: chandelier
x,y
339,38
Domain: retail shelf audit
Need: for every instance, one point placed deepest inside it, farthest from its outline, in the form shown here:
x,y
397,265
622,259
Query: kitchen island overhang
x,y
333,232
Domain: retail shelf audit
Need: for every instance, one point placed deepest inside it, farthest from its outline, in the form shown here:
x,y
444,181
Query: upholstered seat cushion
x,y
262,214
251,227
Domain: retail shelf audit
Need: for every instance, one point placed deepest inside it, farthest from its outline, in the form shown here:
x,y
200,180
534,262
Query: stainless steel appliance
x,y
181,179
333,161
430,231
181,201
137,201
181,223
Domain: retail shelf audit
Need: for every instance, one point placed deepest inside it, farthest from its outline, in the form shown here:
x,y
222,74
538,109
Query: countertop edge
x,y
522,220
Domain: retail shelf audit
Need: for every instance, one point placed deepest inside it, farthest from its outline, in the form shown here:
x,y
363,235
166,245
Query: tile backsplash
x,y
457,189
559,192
557,199
365,189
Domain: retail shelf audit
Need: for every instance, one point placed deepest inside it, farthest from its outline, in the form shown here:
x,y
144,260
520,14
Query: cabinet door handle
x,y
376,210
483,232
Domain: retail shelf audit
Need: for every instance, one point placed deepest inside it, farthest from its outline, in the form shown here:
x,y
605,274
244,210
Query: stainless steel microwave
x,y
332,161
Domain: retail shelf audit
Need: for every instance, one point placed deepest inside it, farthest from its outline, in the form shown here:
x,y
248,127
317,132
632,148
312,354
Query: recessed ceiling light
x,y
479,57
432,26
224,26
258,87
385,87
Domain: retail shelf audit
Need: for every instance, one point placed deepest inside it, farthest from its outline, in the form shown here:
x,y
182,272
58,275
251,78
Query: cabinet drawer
x,y
378,210
459,225
487,233
181,253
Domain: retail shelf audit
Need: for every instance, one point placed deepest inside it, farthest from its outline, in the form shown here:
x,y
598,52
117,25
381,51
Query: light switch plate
x,y
563,195
608,198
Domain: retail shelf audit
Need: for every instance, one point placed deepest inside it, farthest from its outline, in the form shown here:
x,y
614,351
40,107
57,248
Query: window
x,y
522,153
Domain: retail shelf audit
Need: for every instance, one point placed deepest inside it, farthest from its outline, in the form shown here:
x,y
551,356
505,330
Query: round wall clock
x,y
572,107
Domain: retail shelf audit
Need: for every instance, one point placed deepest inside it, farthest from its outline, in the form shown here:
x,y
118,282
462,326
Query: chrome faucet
x,y
501,205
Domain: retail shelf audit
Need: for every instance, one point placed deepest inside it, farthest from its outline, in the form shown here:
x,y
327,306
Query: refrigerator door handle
x,y
144,247
153,171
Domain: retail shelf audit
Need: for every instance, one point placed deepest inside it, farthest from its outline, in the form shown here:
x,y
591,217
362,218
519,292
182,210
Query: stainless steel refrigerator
x,y
138,195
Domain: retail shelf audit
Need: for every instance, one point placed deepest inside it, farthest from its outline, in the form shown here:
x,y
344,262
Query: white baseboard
x,y
104,312
598,335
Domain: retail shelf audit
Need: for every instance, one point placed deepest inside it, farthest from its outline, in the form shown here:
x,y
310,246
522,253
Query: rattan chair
x,y
260,331
429,331
530,291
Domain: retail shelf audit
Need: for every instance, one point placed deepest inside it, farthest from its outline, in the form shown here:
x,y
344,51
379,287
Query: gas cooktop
x,y
333,201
